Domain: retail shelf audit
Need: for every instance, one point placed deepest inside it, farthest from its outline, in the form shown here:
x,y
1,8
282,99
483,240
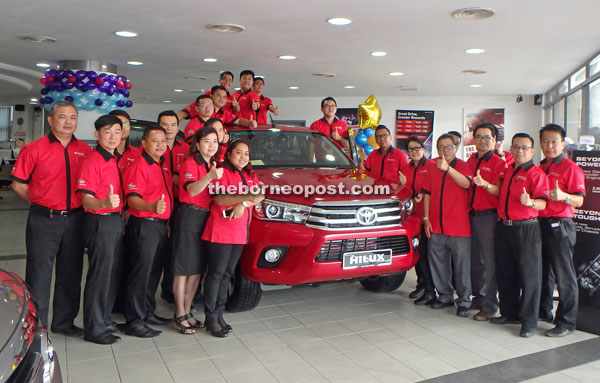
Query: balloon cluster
x,y
369,115
87,90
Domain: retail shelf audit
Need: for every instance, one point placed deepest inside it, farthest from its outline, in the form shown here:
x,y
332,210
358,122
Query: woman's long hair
x,y
227,163
198,136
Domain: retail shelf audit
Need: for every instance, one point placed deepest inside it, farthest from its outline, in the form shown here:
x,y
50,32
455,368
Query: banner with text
x,y
414,123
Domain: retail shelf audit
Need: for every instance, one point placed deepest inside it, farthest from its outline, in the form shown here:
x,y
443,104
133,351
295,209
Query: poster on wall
x,y
349,116
414,123
474,117
587,247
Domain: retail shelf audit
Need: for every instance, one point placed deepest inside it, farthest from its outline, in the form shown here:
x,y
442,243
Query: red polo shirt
x,y
98,172
191,108
535,182
385,166
223,150
51,171
245,100
223,230
129,155
261,114
324,127
491,168
449,204
570,179
415,179
174,158
192,127
193,170
226,116
149,180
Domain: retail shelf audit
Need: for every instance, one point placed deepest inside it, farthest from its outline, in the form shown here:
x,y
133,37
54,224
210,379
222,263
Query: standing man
x,y
245,101
567,190
518,241
489,170
266,105
386,162
219,95
100,187
126,154
46,176
148,188
330,125
225,80
204,109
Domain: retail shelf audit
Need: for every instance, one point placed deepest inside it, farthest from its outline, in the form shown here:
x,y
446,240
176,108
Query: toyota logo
x,y
366,216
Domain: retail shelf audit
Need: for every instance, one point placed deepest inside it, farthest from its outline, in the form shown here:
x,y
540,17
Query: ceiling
x,y
530,45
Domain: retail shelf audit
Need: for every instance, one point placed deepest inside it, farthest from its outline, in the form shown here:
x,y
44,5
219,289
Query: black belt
x,y
508,222
52,212
477,213
194,207
154,219
545,219
111,213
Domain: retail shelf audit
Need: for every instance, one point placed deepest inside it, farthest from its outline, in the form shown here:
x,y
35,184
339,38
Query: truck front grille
x,y
342,215
333,250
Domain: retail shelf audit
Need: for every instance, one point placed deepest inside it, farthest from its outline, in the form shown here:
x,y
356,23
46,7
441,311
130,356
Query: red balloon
x,y
120,84
127,85
43,81
50,78
72,79
99,81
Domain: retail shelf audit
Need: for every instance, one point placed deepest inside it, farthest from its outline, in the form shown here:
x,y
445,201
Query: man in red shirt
x,y
245,101
567,190
266,105
46,176
330,125
126,154
100,187
205,107
499,148
148,189
219,95
489,171
225,80
446,223
385,162
518,242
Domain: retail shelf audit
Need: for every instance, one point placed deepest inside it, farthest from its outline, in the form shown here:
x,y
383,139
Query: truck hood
x,y
308,181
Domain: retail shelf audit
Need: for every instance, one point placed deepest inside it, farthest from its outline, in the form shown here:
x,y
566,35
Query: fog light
x,y
415,242
272,255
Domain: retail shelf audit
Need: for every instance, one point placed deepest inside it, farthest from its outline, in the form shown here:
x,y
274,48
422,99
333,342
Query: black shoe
x,y
437,304
503,320
152,318
112,327
527,332
69,331
476,304
142,331
558,331
425,300
225,326
462,312
418,293
546,317
222,333
167,296
104,338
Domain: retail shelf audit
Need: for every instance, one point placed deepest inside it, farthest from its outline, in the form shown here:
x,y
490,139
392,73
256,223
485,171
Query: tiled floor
x,y
330,333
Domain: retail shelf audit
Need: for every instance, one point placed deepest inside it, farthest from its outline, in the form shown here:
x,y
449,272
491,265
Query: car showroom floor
x,y
330,333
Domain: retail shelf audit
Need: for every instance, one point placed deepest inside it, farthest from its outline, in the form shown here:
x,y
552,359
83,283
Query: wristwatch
x,y
244,204
532,203
488,186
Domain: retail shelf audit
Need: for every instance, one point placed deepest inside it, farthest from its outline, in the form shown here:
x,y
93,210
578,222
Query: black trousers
x,y
102,234
519,271
48,239
167,260
146,239
422,267
557,256
483,261
222,259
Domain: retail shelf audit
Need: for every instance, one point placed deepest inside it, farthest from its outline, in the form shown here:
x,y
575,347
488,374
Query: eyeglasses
x,y
329,106
381,136
485,138
447,147
519,148
206,106
414,149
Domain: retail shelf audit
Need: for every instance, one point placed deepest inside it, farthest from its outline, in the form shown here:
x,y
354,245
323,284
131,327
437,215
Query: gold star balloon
x,y
369,113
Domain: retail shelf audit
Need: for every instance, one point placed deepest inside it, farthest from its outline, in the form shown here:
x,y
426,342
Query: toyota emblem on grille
x,y
366,216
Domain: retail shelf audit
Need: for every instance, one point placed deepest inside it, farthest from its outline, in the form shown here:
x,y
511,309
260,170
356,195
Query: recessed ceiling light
x,y
324,74
210,60
339,21
33,100
225,28
195,78
349,87
178,90
475,85
33,103
378,53
166,101
42,65
474,51
293,87
473,71
287,57
474,13
38,39
135,63
396,74
126,34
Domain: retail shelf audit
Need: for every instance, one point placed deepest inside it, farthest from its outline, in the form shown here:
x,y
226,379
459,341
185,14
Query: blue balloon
x,y
44,91
49,100
59,74
69,85
99,102
111,79
80,75
68,73
369,132
125,92
120,103
360,139
91,85
79,84
60,87
129,103
368,149
92,75
102,75
69,98
110,92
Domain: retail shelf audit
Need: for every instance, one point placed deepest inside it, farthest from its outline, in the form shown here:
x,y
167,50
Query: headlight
x,y
407,207
47,357
282,211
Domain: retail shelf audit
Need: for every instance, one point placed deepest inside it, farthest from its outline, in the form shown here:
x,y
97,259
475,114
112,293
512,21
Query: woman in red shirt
x,y
227,230
189,260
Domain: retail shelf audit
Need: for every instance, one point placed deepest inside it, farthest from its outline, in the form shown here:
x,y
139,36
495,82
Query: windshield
x,y
281,149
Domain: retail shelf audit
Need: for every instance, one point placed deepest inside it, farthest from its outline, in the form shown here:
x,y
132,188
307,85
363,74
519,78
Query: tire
x,y
244,295
383,283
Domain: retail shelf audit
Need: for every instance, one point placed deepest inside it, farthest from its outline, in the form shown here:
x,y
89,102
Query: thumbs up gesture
x,y
215,173
556,194
252,124
255,105
160,206
525,198
275,110
235,105
478,180
113,200
442,164
335,135
402,178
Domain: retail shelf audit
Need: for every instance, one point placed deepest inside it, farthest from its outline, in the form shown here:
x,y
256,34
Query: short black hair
x,y
107,119
246,72
211,121
217,87
122,113
202,97
486,125
445,136
166,113
454,133
328,99
380,127
415,139
523,135
553,128
226,73
150,128
259,78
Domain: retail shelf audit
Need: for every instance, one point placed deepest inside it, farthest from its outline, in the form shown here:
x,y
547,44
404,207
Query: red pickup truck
x,y
321,219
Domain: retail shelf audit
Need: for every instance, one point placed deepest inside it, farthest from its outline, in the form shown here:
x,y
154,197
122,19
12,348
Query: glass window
x,y
578,77
548,115
558,114
5,119
595,110
549,97
564,87
595,66
574,115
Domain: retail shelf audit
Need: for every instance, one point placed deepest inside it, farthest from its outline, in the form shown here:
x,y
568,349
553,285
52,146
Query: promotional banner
x,y
587,248
414,123
474,117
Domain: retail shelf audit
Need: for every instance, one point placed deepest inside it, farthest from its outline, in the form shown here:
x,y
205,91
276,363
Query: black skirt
x,y
188,253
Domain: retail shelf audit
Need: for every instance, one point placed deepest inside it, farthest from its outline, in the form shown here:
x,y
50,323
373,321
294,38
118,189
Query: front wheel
x,y
244,295
383,283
